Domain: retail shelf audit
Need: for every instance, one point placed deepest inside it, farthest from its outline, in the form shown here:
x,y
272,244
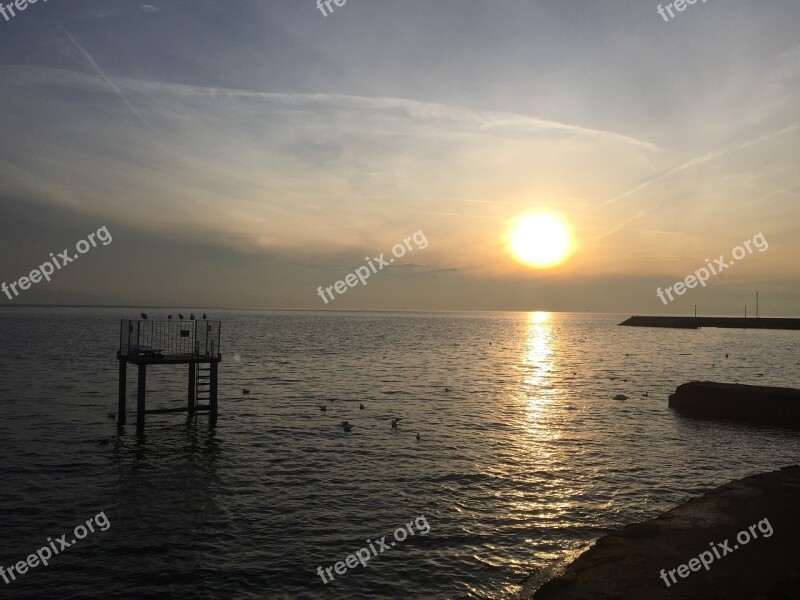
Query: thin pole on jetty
x,y
172,342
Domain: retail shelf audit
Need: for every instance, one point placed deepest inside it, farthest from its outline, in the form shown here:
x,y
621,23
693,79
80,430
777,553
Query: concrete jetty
x,y
759,405
723,322
751,523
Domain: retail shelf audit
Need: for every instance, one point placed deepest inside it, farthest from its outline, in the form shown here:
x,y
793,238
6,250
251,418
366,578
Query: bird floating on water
x,y
417,437
346,426
645,394
361,406
245,391
323,408
447,389
620,397
395,422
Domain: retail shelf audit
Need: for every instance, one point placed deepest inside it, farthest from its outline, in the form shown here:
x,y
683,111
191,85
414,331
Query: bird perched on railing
x,y
191,317
180,316
144,316
204,317
169,317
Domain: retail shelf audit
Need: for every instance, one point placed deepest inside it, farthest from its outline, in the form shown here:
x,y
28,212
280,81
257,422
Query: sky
x,y
246,153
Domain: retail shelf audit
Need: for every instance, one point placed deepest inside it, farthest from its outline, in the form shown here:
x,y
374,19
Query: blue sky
x,y
243,153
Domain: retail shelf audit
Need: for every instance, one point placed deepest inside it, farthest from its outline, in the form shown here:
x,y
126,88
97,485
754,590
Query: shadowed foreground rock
x,y
627,564
747,403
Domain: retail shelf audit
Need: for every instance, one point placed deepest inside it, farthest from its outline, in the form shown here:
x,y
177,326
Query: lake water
x,y
524,462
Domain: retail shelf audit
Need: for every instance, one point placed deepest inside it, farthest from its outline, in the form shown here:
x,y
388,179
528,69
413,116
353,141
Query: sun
x,y
541,240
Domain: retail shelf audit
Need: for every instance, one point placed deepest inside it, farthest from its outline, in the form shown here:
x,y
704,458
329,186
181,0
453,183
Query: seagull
x,y
204,317
417,437
245,391
144,316
361,406
323,408
346,426
180,316
191,317
395,422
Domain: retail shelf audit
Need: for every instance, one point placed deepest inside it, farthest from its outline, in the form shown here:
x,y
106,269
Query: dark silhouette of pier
x,y
171,342
722,322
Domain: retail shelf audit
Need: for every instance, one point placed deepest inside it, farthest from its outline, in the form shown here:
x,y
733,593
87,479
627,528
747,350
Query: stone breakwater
x,y
754,404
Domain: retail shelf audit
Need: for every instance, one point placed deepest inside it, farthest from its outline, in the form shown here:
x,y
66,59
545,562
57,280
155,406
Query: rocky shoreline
x,y
698,550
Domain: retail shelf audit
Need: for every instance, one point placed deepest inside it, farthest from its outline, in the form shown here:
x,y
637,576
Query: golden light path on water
x,y
542,405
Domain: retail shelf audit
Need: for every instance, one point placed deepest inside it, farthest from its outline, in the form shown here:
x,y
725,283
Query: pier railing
x,y
169,339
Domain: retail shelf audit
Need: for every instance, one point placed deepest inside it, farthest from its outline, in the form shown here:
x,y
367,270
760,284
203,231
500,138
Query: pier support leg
x,y
192,388
212,401
123,387
140,398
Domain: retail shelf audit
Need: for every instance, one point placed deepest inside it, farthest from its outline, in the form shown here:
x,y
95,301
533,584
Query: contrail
x,y
702,159
108,80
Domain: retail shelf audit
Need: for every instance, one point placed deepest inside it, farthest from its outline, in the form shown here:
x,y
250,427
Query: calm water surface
x,y
524,462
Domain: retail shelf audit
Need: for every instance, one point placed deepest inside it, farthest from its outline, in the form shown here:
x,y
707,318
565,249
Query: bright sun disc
x,y
541,240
